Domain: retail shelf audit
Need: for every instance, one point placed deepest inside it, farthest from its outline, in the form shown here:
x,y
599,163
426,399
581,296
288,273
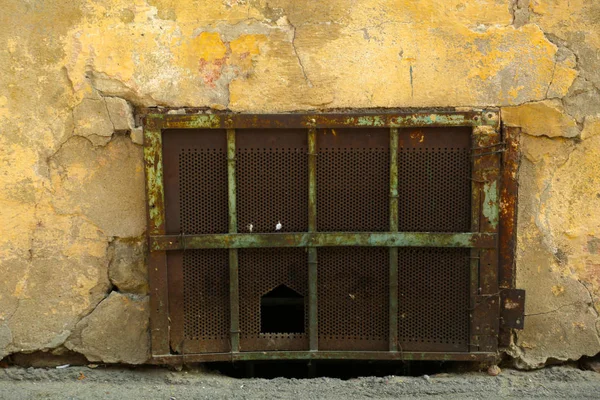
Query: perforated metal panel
x,y
196,202
272,180
353,180
434,180
203,200
261,271
353,294
433,299
206,300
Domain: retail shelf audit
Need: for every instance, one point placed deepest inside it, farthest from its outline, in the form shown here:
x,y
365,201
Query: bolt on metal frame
x,y
482,240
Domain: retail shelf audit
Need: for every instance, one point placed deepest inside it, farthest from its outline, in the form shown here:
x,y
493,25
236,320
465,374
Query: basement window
x,y
369,236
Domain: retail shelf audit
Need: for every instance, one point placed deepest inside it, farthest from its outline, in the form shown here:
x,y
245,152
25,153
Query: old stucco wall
x,y
71,177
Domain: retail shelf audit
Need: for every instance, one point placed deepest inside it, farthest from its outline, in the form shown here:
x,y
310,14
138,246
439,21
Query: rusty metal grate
x,y
433,299
261,271
387,245
353,294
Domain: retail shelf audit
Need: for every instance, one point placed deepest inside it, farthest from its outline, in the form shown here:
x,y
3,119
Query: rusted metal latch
x,y
512,309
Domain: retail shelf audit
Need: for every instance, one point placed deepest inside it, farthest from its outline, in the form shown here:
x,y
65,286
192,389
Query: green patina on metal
x,y
393,180
234,295
192,121
312,180
490,206
154,177
393,251
431,119
231,181
205,121
319,239
313,317
325,120
326,355
375,121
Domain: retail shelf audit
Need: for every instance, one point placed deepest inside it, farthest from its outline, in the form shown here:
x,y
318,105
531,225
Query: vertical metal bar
x,y
157,262
474,264
508,217
393,251
313,319
508,209
485,177
234,299
312,180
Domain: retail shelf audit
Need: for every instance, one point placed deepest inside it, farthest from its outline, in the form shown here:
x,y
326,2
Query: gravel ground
x,y
158,383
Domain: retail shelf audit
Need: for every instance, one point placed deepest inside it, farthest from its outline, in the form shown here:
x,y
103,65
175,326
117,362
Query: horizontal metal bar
x,y
328,120
322,239
323,355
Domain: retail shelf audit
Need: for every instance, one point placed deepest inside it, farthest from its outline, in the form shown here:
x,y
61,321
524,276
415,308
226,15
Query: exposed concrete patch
x,y
105,184
97,118
558,201
137,135
520,12
91,120
553,337
120,114
5,340
576,24
583,100
127,269
545,118
115,332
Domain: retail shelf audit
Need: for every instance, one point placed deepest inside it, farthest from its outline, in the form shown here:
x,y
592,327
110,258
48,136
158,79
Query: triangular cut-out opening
x,y
282,311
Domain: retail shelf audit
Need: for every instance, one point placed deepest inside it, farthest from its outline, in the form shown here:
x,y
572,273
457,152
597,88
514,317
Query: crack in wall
x,y
60,338
556,309
592,306
293,42
551,78
108,113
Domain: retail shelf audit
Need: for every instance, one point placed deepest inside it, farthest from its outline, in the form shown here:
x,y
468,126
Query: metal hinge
x,y
512,308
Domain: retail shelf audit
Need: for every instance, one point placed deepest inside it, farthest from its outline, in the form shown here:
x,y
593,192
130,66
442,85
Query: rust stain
x,y
418,136
508,207
511,305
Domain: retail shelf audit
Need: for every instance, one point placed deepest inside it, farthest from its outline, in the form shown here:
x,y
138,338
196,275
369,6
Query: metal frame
x,y
483,238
